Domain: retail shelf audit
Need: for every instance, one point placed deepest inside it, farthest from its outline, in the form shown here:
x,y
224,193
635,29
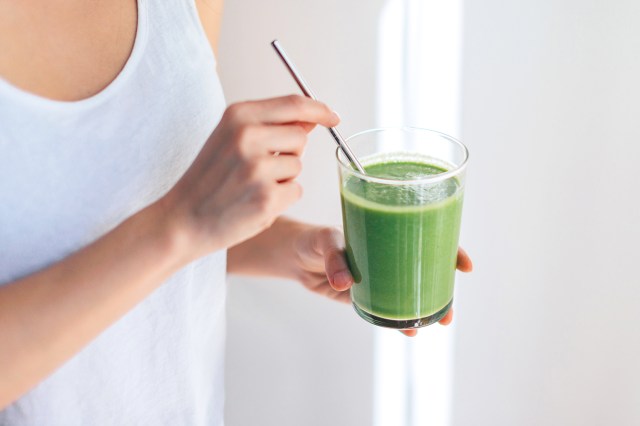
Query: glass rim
x,y
387,181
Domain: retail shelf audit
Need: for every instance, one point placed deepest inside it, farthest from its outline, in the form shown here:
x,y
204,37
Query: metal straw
x,y
307,92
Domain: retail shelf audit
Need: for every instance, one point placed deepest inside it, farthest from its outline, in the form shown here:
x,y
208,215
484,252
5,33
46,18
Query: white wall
x,y
294,358
547,332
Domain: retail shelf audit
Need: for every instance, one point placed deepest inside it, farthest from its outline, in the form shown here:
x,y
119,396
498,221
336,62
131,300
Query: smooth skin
x,y
232,196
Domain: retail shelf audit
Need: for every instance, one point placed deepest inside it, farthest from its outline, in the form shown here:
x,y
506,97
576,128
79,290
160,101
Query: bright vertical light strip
x,y
419,75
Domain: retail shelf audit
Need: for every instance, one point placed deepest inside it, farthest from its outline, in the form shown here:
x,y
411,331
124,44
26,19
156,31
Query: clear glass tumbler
x,y
402,222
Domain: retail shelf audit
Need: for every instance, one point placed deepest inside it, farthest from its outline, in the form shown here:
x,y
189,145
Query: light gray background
x,y
294,358
548,333
547,324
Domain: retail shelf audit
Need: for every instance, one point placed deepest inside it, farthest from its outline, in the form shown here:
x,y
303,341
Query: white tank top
x,y
69,173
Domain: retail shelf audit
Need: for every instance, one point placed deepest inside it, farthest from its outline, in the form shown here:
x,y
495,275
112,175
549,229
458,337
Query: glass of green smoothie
x,y
402,222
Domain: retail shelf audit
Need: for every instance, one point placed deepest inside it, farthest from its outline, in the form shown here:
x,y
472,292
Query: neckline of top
x,y
139,44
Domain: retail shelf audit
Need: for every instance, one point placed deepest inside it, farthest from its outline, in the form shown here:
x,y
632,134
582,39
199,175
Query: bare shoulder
x,y
210,12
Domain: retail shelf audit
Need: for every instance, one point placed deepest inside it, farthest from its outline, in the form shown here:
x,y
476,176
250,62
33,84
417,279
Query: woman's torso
x,y
69,173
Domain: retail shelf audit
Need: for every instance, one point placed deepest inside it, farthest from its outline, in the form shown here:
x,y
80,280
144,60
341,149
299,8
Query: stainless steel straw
x,y
307,92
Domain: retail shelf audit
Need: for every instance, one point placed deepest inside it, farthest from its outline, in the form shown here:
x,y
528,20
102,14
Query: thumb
x,y
331,245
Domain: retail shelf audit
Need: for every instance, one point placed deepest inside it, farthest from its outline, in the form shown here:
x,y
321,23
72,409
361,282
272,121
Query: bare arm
x,y
234,190
270,253
47,317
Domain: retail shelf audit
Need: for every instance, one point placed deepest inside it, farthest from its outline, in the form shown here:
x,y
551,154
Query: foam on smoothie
x,y
401,167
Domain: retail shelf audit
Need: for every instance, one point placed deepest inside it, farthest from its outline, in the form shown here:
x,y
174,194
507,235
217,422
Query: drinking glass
x,y
402,223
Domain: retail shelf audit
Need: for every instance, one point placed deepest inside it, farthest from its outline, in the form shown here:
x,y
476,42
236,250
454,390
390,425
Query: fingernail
x,y
342,278
337,115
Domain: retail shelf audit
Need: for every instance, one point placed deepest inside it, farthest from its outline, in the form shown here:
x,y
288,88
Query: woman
x,y
124,182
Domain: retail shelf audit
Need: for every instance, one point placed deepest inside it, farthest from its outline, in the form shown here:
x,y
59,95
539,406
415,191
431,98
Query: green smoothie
x,y
402,242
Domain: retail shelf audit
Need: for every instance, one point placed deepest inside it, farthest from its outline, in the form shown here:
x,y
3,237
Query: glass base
x,y
403,324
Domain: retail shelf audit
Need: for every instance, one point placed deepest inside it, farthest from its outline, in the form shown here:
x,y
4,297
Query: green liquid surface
x,y
402,240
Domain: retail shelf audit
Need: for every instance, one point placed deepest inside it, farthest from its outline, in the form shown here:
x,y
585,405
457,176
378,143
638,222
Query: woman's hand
x,y
244,176
312,255
322,266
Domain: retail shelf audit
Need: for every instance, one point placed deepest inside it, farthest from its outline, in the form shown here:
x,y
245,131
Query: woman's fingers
x,y
344,297
283,139
287,193
464,263
291,109
338,272
339,296
330,243
281,167
446,320
307,127
318,283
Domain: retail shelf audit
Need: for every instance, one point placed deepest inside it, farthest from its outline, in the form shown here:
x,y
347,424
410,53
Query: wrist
x,y
158,227
273,252
296,234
